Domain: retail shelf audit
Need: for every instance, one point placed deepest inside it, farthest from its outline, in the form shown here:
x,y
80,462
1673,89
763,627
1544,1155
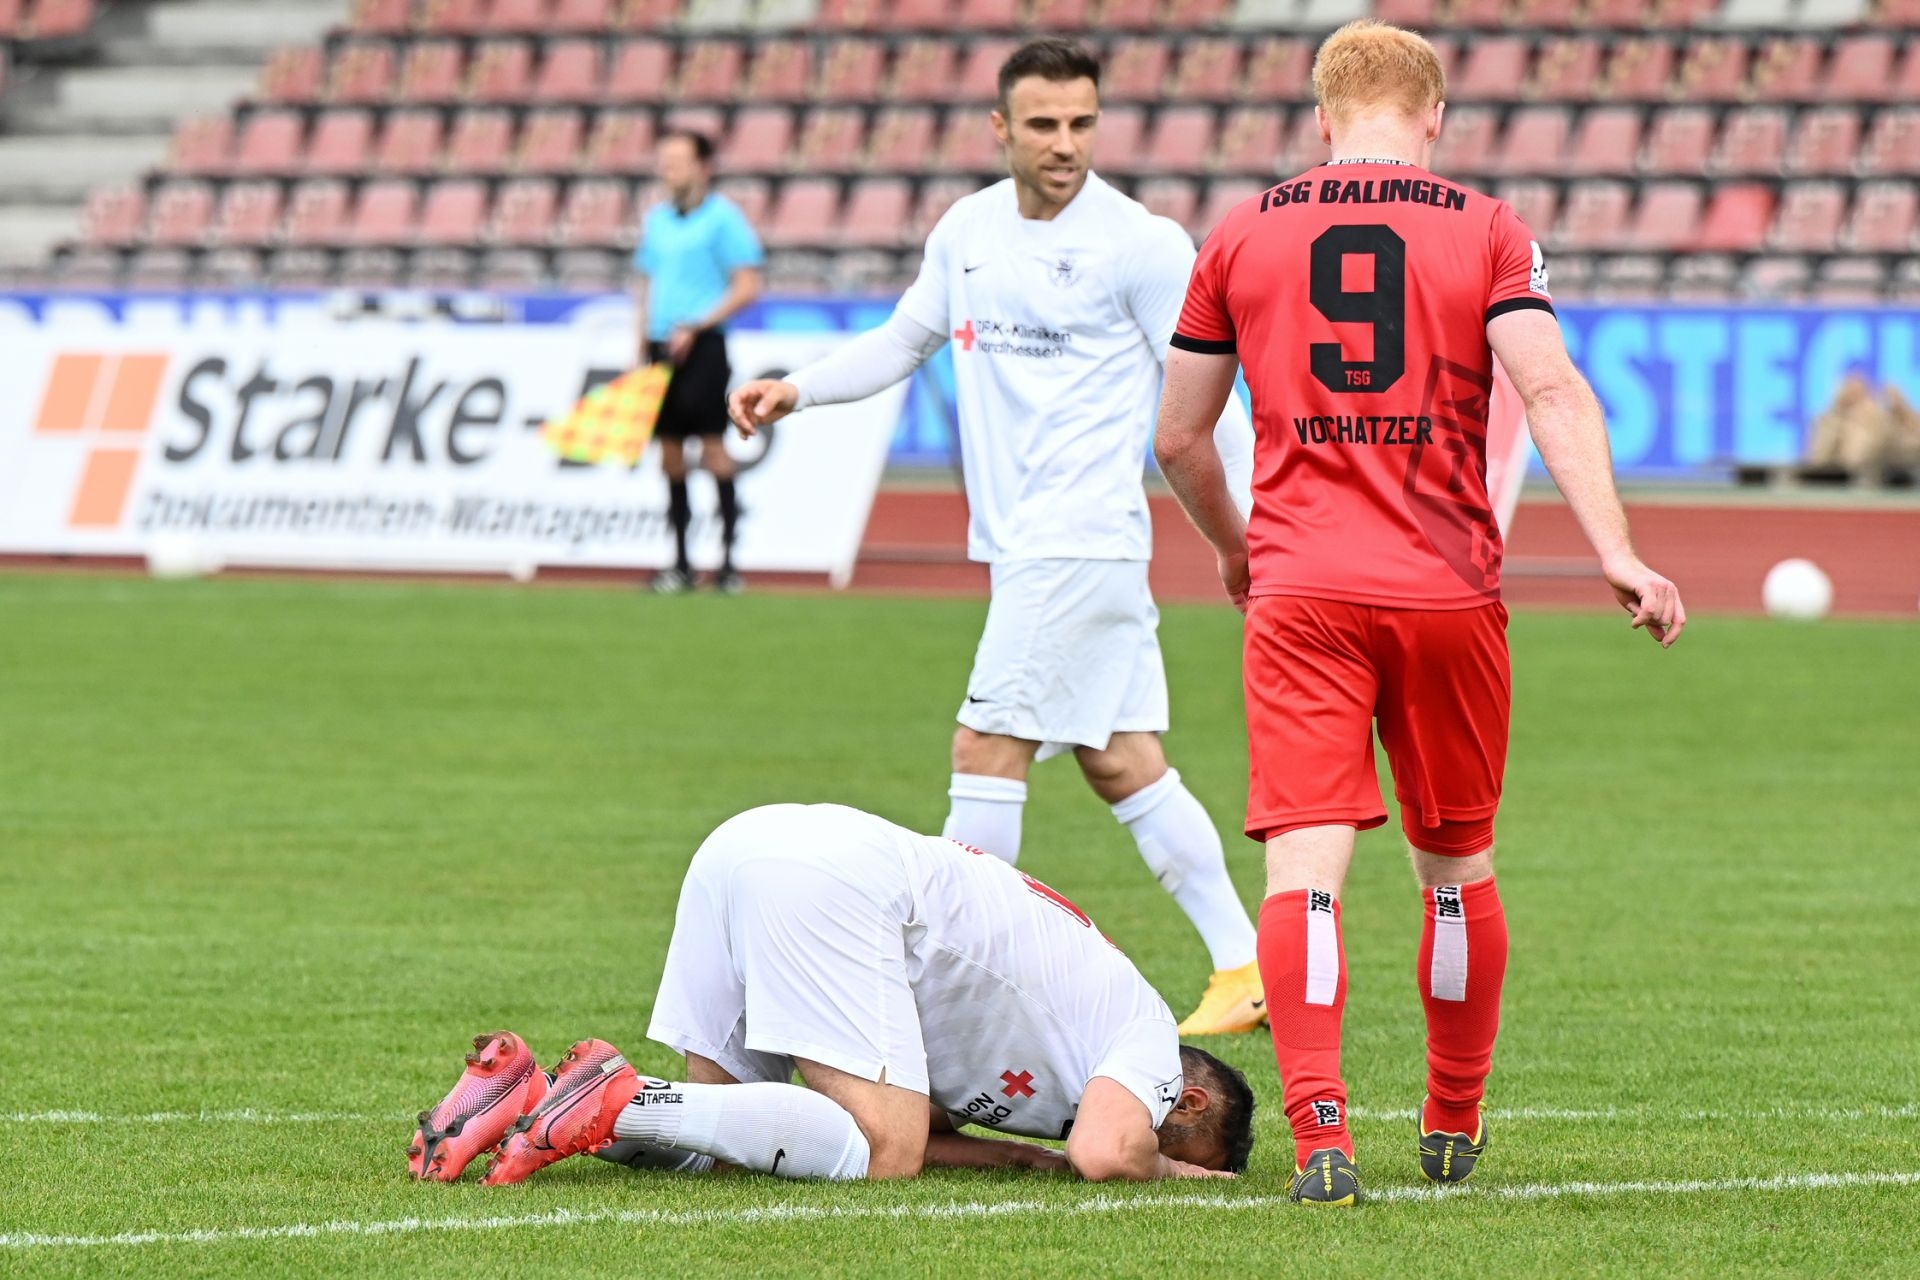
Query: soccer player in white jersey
x,y
919,987
1060,296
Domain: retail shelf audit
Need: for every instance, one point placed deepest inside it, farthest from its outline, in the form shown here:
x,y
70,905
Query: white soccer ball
x,y
1797,589
174,556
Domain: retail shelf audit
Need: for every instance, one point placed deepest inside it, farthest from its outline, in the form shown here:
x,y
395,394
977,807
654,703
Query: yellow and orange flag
x,y
614,421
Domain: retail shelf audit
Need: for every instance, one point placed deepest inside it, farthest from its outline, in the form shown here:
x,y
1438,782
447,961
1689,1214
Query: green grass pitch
x,y
274,850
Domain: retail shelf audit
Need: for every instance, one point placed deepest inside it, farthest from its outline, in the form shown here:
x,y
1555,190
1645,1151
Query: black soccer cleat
x,y
1449,1158
1328,1178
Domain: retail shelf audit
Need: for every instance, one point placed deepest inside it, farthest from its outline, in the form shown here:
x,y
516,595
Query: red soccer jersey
x,y
1357,298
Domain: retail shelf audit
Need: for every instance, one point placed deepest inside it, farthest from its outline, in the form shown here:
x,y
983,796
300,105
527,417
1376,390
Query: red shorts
x,y
1319,673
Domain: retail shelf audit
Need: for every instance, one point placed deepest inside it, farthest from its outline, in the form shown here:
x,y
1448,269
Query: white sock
x,y
986,813
780,1129
1182,848
636,1154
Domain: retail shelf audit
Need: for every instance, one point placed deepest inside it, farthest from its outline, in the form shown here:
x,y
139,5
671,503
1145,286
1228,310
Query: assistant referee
x,y
697,265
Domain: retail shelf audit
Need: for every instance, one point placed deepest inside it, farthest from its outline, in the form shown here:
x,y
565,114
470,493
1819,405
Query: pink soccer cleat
x,y
501,1082
591,1086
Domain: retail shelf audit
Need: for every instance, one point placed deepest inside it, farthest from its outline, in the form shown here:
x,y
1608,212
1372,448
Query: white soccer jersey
x,y
1059,330
1023,1001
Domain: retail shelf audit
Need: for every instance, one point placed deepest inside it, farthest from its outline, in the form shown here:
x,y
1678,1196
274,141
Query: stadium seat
x,y
316,213
1770,279
1906,78
1702,278
1893,145
1883,218
293,74
1465,146
502,72
381,17
1547,14
1667,217
270,142
988,15
621,142
1809,218
1176,198
924,68
640,73
1634,278
1193,15
432,72
342,142
851,15
919,15
968,145
571,72
1640,70
1567,70
59,19
936,197
780,72
1788,69
384,214
1496,67
1060,15
411,143
1128,15
524,214
481,141
1715,70
1278,70
709,71
851,71
1850,282
1535,141
114,215
1534,201
1120,148
805,213
1594,216
1754,141
1737,218
878,213
158,269
1408,13
585,17
510,270
361,73
1136,71
526,17
761,141
452,17
249,214
550,143
180,215
831,140
902,140
201,144
1222,197
1606,142
454,213
229,267
753,195
1824,141
1303,149
595,213
1481,14
979,79
1250,142
1679,141
1208,69
1861,70
1181,142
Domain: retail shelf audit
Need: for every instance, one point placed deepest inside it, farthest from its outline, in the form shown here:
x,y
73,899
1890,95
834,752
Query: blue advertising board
x,y
1688,390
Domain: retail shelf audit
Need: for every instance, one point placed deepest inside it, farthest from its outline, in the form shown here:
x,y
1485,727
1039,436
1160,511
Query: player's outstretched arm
x,y
855,370
947,1149
1113,1139
1197,388
1571,434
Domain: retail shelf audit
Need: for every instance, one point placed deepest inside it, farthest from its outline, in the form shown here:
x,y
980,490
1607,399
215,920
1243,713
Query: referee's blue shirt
x,y
689,259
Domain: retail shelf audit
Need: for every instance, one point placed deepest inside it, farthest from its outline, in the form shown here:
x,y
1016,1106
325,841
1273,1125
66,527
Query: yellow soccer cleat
x,y
1234,1002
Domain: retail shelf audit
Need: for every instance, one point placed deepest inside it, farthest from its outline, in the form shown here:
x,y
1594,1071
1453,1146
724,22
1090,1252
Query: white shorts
x,y
790,942
1070,655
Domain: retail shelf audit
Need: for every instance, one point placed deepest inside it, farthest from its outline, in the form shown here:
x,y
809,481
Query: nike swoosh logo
x,y
1259,1004
971,698
780,1153
975,267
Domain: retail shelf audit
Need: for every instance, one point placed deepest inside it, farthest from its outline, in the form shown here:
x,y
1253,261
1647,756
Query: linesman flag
x,y
614,421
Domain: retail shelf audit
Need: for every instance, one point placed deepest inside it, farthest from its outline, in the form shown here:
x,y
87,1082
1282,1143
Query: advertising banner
x,y
289,435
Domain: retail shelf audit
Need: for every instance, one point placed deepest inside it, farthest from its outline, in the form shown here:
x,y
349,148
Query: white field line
x,y
941,1212
1570,1115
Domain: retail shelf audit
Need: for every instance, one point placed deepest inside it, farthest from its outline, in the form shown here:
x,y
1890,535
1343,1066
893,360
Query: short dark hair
x,y
1230,1117
702,144
1050,58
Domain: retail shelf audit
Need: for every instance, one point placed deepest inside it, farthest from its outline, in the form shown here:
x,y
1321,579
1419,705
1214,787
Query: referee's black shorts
x,y
696,400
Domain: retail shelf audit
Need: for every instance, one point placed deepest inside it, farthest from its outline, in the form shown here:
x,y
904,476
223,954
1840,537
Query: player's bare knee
x,y
1433,869
991,755
1130,763
706,1071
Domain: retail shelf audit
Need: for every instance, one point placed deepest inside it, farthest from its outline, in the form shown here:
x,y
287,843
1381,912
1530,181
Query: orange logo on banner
x,y
109,399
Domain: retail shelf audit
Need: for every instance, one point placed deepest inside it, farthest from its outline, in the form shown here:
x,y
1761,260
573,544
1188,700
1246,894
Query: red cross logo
x,y
965,337
1018,1086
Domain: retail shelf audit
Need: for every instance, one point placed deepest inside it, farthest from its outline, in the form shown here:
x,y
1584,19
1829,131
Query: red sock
x,y
1463,958
1304,971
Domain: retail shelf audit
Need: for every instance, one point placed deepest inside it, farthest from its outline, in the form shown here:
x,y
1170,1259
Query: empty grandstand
x,y
1689,149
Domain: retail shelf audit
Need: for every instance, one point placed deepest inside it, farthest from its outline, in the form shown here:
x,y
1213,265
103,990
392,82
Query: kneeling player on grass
x,y
893,971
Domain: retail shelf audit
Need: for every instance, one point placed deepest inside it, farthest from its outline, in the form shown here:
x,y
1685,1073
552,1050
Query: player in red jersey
x,y
1367,299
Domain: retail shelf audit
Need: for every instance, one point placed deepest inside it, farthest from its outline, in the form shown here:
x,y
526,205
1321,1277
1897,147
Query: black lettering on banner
x,y
1384,306
300,438
469,417
194,411
250,390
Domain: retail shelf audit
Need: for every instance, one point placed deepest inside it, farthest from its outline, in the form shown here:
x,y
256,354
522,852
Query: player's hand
x,y
1653,601
1235,577
679,343
762,401
1181,1169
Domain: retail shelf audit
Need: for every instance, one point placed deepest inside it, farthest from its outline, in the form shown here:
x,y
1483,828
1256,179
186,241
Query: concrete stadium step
x,y
157,94
36,169
228,24
28,233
